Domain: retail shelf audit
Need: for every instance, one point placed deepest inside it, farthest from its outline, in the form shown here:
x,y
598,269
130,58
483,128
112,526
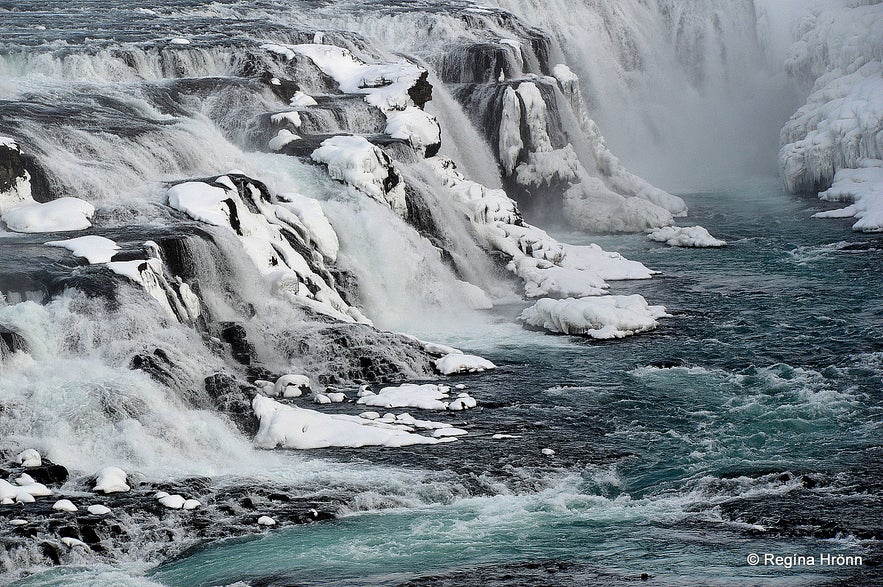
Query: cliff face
x,y
834,143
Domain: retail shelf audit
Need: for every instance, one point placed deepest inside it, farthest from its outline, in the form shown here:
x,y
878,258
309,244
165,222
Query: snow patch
x,y
601,317
685,236
61,215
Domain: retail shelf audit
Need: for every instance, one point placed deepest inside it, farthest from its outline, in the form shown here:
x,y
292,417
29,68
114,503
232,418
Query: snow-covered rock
x,y
64,505
460,363
685,236
266,521
356,162
863,187
265,224
173,502
834,138
293,427
424,397
93,248
98,510
599,317
29,458
111,480
61,215
546,266
291,385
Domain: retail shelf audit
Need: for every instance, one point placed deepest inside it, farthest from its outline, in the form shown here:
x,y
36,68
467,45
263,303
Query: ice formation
x,y
293,427
834,143
685,236
599,317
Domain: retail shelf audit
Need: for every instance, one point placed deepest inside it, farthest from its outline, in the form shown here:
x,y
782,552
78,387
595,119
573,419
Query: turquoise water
x,y
749,422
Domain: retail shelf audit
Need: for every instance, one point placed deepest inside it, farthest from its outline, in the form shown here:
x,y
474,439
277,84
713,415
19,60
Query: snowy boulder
x,y
15,181
61,215
356,162
685,236
600,317
74,543
93,248
294,427
464,401
98,510
173,502
460,363
111,480
29,458
863,187
266,521
424,397
64,505
291,385
417,127
191,504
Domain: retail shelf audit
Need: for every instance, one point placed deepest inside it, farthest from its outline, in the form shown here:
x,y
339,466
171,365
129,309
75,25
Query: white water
x,y
688,95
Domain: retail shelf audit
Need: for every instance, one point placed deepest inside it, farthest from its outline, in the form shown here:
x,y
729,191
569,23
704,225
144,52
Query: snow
x,y
299,99
64,505
98,510
173,502
424,397
191,504
548,452
384,85
291,384
293,427
460,363
864,188
310,215
179,41
685,236
834,139
414,125
355,161
448,432
73,542
547,267
24,479
282,138
262,236
93,248
111,480
266,521
291,117
599,317
61,215
17,522
29,458
35,489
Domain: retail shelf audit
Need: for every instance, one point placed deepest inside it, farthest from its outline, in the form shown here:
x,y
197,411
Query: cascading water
x,y
231,227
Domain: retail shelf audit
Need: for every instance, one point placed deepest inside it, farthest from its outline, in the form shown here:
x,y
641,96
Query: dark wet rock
x,y
350,353
156,364
284,89
233,398
12,167
11,342
234,334
421,91
48,473
479,63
